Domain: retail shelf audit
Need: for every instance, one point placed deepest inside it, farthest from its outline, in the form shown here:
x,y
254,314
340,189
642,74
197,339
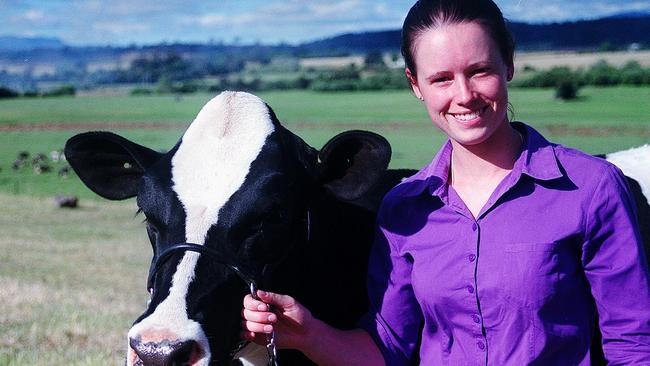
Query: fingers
x,y
254,305
280,301
259,316
256,318
249,326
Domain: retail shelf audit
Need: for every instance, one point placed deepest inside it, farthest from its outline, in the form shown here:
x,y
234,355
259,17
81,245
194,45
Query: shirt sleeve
x,y
617,270
394,317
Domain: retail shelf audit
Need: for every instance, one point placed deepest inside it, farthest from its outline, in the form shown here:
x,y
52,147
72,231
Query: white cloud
x,y
120,28
382,9
34,15
343,7
206,20
609,8
562,10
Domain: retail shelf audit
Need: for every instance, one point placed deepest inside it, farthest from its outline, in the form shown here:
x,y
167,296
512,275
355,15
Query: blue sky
x,y
122,22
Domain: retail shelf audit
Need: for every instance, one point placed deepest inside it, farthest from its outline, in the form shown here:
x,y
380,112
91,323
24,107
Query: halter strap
x,y
217,256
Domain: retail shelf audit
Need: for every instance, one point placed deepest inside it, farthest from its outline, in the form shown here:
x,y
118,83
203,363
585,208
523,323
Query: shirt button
x,y
471,257
470,289
480,345
476,319
474,227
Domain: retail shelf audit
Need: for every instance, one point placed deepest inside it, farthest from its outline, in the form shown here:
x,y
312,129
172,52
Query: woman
x,y
504,249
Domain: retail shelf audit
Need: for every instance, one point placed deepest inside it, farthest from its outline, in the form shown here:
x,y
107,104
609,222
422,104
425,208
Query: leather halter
x,y
218,257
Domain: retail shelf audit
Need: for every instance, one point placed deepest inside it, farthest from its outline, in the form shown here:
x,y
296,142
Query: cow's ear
x,y
108,164
351,163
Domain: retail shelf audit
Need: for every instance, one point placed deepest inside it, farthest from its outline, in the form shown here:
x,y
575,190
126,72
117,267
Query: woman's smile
x,y
470,116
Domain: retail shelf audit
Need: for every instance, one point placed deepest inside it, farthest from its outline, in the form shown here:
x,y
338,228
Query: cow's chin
x,y
196,359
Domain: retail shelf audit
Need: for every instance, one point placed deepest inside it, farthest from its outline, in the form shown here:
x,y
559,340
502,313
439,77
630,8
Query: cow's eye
x,y
255,229
152,230
151,227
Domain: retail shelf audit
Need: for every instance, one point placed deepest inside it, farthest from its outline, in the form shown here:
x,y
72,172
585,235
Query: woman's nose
x,y
464,93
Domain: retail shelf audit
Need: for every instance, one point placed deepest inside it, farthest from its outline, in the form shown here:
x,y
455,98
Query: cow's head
x,y
237,182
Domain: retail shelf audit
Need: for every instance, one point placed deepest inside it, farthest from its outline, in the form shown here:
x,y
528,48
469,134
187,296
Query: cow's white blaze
x,y
210,165
634,163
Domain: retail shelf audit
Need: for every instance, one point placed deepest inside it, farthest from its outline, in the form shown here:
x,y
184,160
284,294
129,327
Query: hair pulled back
x,y
427,14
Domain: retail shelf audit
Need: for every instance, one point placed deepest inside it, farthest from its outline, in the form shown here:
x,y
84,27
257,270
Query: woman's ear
x,y
414,83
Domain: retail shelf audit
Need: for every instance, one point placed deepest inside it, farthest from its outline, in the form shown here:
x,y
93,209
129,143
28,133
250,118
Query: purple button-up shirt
x,y
556,244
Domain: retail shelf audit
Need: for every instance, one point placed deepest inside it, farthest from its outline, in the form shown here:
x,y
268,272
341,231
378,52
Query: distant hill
x,y
388,40
589,34
619,30
13,43
631,14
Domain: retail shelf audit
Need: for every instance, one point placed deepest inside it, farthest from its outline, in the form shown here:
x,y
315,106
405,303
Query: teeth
x,y
467,116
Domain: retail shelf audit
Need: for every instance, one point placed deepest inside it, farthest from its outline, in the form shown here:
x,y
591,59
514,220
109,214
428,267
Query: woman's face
x,y
462,79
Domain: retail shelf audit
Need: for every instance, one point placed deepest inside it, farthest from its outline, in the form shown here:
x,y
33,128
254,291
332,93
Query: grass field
x,y
71,281
603,120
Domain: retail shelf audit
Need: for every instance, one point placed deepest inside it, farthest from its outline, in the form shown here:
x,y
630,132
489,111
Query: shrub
x,y
551,78
63,90
6,93
387,80
529,68
633,74
335,85
567,90
602,74
141,91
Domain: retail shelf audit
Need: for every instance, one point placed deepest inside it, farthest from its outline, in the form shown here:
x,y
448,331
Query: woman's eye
x,y
482,70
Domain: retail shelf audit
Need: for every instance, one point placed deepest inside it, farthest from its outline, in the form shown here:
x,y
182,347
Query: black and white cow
x,y
240,183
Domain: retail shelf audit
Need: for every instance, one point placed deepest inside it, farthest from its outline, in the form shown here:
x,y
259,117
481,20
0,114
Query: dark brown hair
x,y
427,14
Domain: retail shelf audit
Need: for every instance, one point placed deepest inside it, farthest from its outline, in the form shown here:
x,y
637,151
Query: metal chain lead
x,y
271,348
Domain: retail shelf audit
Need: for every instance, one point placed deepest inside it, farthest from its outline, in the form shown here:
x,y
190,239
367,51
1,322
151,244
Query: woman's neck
x,y
477,170
492,158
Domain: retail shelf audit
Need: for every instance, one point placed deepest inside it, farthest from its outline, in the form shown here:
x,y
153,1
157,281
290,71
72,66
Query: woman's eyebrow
x,y
436,75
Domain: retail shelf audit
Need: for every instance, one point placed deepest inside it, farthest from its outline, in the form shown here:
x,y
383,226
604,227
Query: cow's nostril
x,y
167,353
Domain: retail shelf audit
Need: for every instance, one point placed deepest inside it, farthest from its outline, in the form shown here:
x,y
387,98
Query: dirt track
x,y
89,126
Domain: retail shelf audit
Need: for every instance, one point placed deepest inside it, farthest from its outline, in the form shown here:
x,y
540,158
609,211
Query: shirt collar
x,y
537,160
433,177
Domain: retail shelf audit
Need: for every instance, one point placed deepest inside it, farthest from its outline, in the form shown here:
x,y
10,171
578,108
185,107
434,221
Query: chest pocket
x,y
537,273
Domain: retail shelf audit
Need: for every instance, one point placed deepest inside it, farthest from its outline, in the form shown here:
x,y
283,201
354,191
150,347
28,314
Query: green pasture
x,y
602,120
72,281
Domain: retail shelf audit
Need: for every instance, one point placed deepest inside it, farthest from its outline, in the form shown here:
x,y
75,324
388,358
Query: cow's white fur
x,y
635,163
210,165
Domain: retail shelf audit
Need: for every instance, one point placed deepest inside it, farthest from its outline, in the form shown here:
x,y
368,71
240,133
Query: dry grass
x,y
70,284
575,60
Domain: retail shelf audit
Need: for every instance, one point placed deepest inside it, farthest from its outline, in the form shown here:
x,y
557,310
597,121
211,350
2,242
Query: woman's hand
x,y
296,328
289,319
